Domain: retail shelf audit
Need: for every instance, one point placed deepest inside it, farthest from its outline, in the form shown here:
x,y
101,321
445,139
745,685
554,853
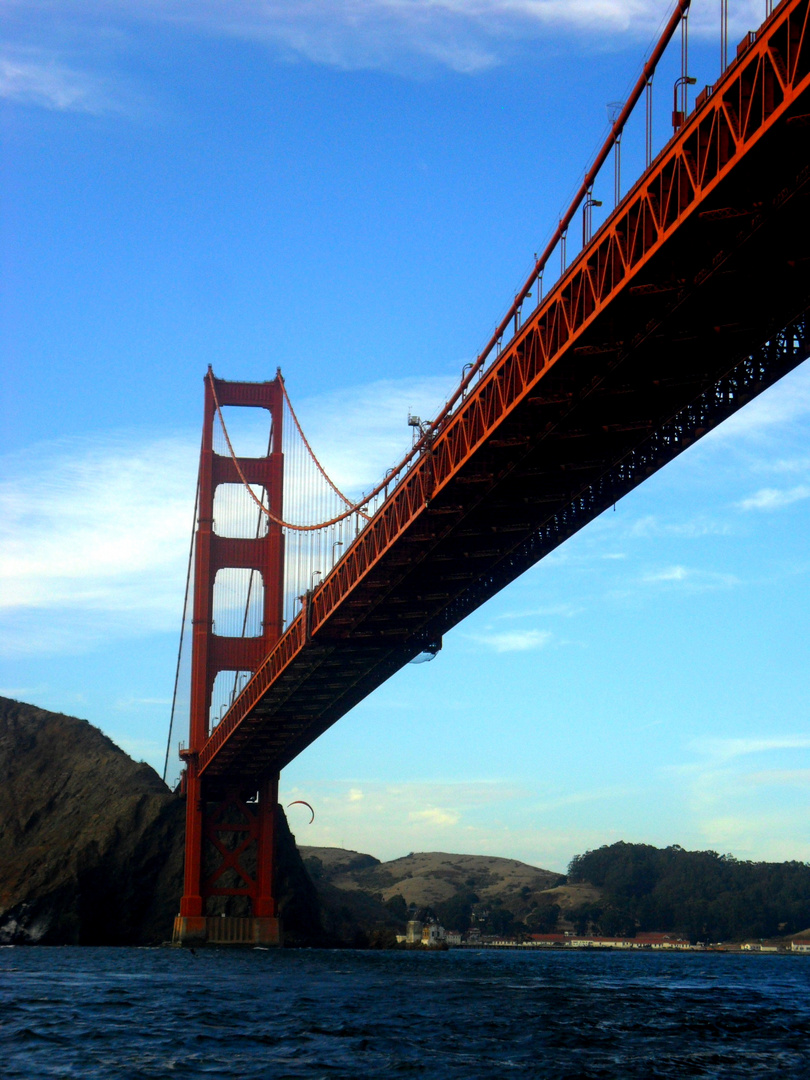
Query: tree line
x,y
699,894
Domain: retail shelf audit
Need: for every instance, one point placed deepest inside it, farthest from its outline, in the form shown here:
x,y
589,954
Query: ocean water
x,y
270,1015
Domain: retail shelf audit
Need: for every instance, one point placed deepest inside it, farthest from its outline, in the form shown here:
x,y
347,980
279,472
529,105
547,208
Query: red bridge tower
x,y
229,895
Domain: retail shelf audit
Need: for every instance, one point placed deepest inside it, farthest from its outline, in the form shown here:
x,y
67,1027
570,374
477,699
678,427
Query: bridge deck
x,y
689,301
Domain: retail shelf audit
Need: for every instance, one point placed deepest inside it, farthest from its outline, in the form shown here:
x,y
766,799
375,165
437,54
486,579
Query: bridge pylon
x,y
229,889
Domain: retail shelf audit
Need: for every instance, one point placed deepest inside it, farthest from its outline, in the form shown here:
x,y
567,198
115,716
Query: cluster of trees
x,y
537,914
700,894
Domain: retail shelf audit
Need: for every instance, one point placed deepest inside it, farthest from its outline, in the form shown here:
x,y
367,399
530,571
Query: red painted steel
x,y
662,325
215,816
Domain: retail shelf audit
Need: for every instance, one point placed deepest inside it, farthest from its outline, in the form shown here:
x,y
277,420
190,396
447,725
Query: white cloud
x,y
93,540
577,798
651,527
669,573
355,795
775,498
564,610
23,693
514,641
726,749
45,81
433,815
466,36
773,836
779,778
693,579
784,465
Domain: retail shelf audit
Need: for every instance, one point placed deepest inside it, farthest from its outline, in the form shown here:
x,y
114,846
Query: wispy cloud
x,y
43,80
23,693
694,579
578,798
784,465
92,538
747,810
669,573
514,641
565,611
434,815
767,835
727,749
775,498
466,36
650,527
779,778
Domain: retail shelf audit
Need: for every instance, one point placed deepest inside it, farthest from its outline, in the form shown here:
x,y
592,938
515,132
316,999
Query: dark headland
x,y
91,853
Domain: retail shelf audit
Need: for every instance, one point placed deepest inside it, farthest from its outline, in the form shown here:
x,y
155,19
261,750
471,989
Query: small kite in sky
x,y
300,802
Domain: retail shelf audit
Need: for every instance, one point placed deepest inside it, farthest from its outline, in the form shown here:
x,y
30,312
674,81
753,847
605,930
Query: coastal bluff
x,y
91,842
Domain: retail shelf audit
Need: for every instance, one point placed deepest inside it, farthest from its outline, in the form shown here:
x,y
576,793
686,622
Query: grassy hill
x,y
454,887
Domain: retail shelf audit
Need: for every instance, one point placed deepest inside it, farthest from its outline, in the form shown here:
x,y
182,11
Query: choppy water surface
x,y
110,1013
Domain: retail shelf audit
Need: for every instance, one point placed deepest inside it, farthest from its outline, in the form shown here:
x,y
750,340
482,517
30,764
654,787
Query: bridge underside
x,y
714,315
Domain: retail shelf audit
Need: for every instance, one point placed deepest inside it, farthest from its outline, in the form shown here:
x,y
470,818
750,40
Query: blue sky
x,y
353,191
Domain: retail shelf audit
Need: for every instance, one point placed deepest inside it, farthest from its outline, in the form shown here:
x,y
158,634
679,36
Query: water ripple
x,y
127,1014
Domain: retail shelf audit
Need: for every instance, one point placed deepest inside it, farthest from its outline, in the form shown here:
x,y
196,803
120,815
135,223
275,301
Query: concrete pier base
x,y
201,930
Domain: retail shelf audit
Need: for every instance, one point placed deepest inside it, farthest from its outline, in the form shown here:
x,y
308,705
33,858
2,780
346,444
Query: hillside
x,y
91,843
426,878
500,891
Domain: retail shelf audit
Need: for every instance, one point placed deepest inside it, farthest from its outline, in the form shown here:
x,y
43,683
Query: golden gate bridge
x,y
689,300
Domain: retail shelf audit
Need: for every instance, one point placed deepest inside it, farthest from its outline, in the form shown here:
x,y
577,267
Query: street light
x,y
587,216
679,115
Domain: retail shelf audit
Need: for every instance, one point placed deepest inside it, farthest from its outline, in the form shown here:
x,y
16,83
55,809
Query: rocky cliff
x,y
91,843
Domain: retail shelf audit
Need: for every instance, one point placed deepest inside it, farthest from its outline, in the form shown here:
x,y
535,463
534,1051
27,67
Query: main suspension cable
x,y
352,508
